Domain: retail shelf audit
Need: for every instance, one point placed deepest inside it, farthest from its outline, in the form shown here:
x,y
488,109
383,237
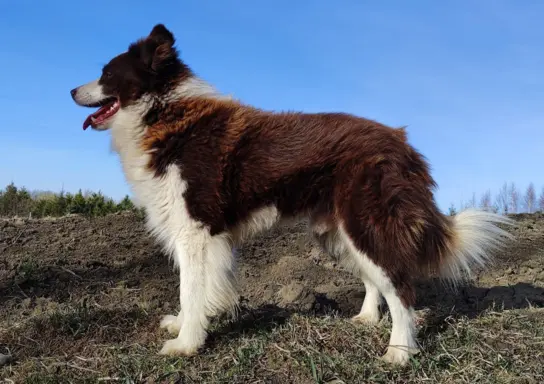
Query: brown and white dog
x,y
211,171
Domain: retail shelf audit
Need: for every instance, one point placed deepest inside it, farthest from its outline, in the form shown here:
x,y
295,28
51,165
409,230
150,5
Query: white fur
x,y
194,87
475,234
370,310
218,276
89,93
260,220
329,239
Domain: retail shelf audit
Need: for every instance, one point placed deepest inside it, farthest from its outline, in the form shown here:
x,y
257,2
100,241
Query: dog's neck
x,y
129,127
192,87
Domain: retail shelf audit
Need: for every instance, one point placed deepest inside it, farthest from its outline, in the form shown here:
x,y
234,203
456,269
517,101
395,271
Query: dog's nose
x,y
73,92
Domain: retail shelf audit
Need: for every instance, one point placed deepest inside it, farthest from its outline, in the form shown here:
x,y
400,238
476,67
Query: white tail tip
x,y
476,236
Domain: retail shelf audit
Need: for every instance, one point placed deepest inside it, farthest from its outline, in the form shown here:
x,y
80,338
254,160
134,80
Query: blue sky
x,y
464,76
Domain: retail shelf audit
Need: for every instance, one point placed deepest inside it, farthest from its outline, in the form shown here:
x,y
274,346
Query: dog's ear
x,y
162,35
163,55
158,50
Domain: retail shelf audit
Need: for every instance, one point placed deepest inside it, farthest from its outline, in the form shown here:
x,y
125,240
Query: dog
x,y
212,171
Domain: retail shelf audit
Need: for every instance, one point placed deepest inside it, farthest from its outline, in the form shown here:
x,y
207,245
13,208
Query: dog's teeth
x,y
93,119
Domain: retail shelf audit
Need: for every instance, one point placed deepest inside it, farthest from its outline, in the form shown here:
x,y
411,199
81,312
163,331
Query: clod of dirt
x,y
296,294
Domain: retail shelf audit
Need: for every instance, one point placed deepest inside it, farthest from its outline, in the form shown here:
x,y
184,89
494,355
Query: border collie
x,y
211,171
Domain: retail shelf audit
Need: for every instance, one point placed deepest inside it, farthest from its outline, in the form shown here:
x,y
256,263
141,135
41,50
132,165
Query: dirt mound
x,y
70,284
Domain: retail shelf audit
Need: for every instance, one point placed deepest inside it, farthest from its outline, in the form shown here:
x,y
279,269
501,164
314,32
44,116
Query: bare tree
x,y
502,199
472,201
530,198
513,198
485,201
541,201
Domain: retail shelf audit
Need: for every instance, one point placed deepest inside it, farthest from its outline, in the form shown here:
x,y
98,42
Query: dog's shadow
x,y
249,322
470,301
441,303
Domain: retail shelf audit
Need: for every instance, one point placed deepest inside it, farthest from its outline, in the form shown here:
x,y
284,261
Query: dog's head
x,y
150,67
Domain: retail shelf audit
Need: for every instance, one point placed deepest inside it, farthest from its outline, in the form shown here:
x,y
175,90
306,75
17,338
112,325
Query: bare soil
x,y
81,300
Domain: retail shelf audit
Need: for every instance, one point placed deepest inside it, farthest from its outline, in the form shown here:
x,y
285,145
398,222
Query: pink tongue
x,y
87,122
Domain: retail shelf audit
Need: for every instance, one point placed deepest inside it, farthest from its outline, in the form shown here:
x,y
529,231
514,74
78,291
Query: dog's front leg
x,y
192,321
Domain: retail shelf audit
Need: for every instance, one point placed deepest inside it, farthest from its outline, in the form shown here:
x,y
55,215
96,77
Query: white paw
x,y
176,347
371,318
171,323
188,342
398,355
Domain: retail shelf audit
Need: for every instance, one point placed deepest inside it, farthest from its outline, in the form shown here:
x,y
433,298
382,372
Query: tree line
x,y
508,200
21,202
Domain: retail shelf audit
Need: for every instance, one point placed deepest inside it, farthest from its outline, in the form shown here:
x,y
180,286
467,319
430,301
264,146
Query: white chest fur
x,y
161,196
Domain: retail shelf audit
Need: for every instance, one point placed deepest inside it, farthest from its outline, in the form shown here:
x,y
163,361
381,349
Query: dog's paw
x,y
176,347
367,318
398,355
171,323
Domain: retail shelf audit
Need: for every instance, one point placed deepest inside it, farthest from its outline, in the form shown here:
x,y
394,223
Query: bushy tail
x,y
475,236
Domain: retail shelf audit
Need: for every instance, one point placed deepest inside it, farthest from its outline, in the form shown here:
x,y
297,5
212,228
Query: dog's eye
x,y
108,74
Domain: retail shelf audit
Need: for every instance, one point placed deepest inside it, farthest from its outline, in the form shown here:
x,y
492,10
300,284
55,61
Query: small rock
x,y
291,292
296,294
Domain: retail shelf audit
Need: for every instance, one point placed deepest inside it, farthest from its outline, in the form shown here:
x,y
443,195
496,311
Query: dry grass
x,y
272,346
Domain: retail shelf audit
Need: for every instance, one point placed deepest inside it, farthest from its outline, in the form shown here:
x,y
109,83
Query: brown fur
x,y
336,167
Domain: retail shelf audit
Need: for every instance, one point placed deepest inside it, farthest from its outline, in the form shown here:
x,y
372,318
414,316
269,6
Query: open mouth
x,y
108,108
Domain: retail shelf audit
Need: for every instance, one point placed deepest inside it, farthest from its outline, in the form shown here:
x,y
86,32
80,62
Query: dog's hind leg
x,y
370,310
328,237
